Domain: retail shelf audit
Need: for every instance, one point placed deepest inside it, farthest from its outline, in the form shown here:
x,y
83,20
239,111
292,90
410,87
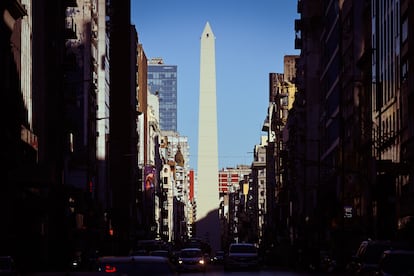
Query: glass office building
x,y
162,80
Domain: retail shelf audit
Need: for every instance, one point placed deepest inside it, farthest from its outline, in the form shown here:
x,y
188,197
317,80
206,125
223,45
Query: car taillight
x,y
110,269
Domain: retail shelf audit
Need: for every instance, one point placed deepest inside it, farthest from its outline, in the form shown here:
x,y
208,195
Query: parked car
x,y
242,256
191,259
7,266
397,262
367,257
136,265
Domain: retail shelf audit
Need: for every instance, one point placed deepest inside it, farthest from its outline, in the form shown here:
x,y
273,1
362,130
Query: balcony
x,y
265,126
298,25
71,3
259,165
298,43
300,6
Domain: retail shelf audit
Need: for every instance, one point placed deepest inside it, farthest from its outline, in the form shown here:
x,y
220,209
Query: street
x,y
212,270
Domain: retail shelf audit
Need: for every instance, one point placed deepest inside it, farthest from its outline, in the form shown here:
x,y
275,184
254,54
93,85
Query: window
x,y
404,30
404,70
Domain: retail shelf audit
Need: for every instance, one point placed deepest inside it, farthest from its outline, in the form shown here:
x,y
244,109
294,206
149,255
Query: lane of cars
x,y
382,257
239,256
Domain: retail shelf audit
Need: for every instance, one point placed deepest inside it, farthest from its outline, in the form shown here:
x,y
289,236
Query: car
x,y
7,266
144,247
242,256
135,265
396,262
367,257
161,253
218,257
191,259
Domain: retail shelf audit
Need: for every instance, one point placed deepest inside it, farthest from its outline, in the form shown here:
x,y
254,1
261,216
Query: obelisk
x,y
207,216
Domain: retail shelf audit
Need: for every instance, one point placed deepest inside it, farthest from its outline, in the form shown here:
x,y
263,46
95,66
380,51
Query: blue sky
x,y
252,37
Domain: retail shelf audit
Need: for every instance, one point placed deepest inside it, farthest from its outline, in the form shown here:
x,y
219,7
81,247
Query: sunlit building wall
x,y
228,187
289,67
26,60
175,153
259,179
27,133
151,149
98,26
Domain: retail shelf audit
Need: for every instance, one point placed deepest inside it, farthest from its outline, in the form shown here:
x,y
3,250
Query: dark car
x,y
218,257
161,253
7,266
191,259
136,265
397,262
366,260
242,256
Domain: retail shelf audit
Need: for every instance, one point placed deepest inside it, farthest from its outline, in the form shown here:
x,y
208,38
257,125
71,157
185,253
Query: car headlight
x,y
201,261
180,261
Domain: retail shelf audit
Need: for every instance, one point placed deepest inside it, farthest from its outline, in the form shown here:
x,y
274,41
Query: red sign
x,y
191,180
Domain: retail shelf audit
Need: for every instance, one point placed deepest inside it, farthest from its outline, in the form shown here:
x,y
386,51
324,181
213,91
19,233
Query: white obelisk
x,y
207,222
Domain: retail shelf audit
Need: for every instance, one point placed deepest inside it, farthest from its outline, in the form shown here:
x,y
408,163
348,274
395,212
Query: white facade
x,y
26,60
207,197
101,78
175,177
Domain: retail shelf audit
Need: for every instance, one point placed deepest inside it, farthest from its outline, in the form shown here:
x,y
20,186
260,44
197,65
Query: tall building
x,y
207,224
122,123
259,180
162,80
230,187
174,151
392,129
101,69
330,123
405,199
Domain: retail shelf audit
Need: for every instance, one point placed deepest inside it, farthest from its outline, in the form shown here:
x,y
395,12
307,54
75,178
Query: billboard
x,y
150,179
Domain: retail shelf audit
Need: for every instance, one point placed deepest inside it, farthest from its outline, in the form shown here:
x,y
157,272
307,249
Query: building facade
x,y
230,188
405,194
162,80
176,206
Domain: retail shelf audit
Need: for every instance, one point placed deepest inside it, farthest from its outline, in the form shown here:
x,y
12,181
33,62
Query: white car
x,y
242,256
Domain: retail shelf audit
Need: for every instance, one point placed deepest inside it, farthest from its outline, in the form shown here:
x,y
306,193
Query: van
x,y
242,256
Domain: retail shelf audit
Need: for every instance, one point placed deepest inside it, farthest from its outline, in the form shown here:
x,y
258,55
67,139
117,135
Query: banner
x,y
150,178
